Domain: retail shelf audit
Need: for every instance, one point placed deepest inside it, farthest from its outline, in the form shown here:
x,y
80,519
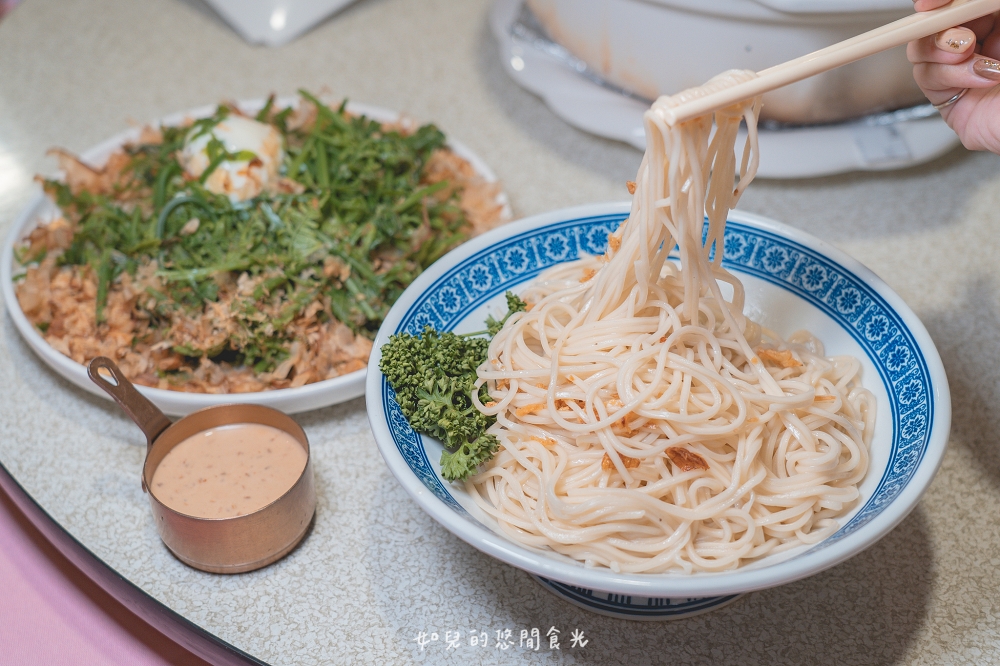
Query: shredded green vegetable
x,y
361,227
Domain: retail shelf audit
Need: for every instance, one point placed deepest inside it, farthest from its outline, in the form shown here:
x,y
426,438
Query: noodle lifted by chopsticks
x,y
645,423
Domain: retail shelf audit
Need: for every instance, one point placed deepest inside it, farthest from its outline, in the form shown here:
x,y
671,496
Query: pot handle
x,y
837,6
145,414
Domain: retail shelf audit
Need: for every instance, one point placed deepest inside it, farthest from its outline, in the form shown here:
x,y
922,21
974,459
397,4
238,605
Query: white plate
x,y
793,281
288,400
877,143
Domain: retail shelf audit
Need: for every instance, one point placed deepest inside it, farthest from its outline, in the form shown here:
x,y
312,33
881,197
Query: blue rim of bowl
x,y
822,276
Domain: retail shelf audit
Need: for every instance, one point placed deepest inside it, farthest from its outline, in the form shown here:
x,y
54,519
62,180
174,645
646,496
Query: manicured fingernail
x,y
955,40
987,68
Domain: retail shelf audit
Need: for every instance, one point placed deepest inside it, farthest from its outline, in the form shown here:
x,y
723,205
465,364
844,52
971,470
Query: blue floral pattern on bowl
x,y
634,607
838,293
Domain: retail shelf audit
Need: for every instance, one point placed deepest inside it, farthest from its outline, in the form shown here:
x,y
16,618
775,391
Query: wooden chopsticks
x,y
885,37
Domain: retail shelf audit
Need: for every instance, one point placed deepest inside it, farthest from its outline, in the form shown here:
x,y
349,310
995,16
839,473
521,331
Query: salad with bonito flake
x,y
235,253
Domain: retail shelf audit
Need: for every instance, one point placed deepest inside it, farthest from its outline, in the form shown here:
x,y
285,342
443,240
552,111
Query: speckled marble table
x,y
375,571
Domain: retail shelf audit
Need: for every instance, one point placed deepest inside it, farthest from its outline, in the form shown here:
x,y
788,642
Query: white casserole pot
x,y
655,47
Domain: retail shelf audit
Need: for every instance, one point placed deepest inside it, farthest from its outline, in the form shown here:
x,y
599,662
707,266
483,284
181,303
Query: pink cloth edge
x,y
61,567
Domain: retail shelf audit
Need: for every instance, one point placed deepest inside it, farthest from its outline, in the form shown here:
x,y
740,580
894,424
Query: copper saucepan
x,y
217,545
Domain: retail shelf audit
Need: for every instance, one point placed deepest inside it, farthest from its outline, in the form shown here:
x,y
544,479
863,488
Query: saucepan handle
x,y
145,414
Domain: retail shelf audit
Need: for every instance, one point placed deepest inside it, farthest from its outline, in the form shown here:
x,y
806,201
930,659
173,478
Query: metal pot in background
x,y
655,47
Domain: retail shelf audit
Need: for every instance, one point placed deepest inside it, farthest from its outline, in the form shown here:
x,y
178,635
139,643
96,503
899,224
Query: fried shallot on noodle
x,y
645,423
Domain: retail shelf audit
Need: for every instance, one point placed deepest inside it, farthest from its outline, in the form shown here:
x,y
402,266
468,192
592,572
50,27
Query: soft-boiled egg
x,y
238,179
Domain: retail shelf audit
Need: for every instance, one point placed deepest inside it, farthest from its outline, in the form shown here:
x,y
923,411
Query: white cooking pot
x,y
655,47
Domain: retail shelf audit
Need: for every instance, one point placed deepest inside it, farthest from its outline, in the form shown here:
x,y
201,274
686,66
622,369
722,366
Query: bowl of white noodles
x,y
686,403
793,282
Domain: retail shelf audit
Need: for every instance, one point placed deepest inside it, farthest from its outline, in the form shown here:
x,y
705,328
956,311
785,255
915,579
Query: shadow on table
x,y
967,336
867,610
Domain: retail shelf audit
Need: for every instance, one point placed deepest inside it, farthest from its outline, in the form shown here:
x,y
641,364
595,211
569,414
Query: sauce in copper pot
x,y
228,471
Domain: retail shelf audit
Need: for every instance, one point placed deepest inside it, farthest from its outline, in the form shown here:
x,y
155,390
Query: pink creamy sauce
x,y
228,471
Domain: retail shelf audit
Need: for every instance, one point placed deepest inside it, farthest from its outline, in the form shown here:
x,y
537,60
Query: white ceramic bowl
x,y
655,47
289,400
793,281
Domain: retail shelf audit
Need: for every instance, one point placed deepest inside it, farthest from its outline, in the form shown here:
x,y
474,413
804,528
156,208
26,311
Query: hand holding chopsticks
x,y
899,32
959,71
